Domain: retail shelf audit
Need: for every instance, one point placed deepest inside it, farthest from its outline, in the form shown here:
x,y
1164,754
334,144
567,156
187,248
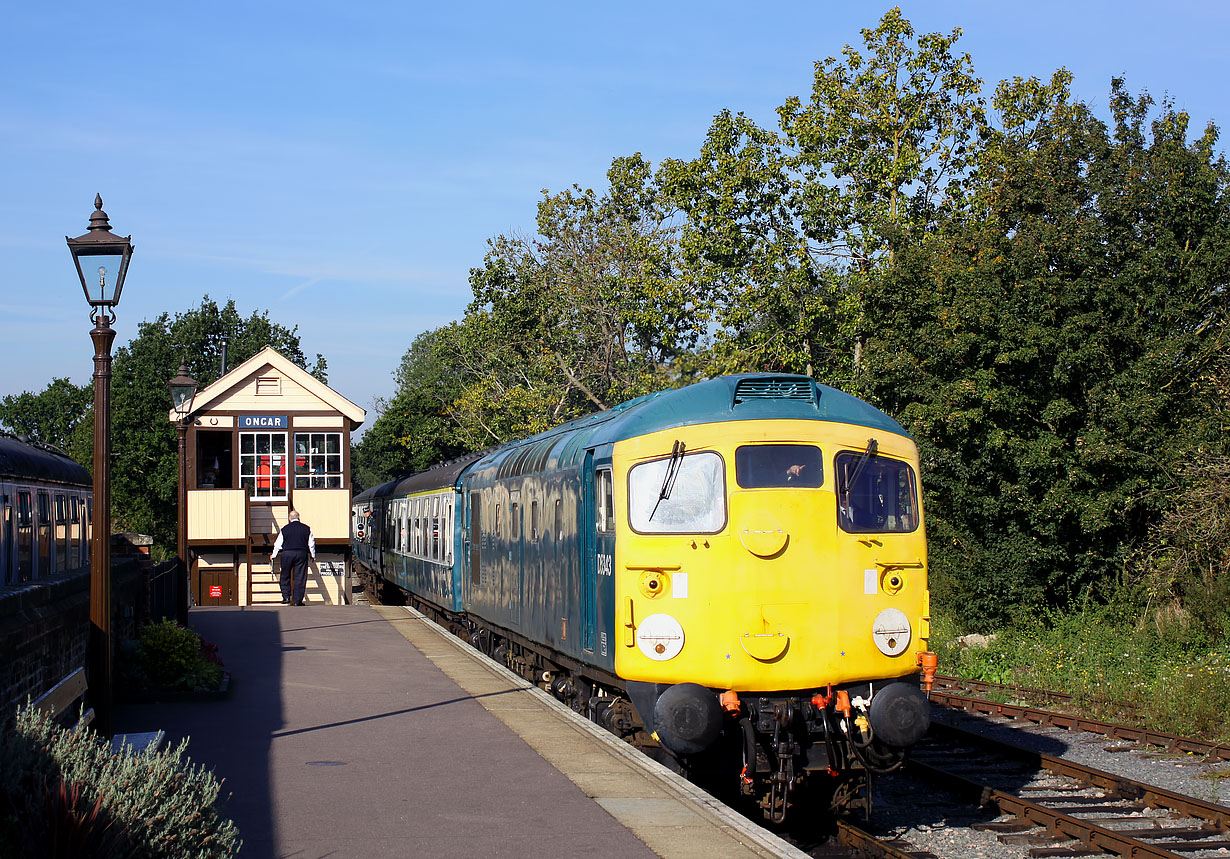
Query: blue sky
x,y
342,165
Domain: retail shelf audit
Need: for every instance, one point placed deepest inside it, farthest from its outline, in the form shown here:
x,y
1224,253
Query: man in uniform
x,y
295,543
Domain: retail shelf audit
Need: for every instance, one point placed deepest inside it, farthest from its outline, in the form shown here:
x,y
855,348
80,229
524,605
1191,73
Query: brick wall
x,y
44,625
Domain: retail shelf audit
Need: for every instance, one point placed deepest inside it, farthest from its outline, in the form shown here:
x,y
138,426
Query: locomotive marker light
x,y
891,632
101,259
183,390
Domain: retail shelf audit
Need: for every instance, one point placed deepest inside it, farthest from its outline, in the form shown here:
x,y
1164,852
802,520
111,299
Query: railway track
x,y
949,693
1062,808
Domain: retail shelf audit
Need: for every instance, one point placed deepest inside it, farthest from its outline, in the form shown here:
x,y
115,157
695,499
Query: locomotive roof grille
x,y
802,390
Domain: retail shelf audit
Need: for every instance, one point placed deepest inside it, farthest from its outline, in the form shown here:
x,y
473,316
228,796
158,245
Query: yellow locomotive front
x,y
771,584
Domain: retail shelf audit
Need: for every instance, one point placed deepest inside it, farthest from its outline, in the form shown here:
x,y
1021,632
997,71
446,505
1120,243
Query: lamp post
x,y
183,389
101,259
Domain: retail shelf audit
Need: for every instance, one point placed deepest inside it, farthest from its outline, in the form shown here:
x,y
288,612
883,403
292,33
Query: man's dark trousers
x,y
294,575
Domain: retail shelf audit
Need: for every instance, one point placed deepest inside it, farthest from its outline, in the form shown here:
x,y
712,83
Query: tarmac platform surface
x,y
367,731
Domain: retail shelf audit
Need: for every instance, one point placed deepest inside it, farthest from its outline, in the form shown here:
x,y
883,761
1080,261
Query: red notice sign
x,y
215,590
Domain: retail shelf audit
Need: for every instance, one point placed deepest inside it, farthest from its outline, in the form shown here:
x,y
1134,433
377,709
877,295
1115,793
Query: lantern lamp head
x,y
183,390
101,259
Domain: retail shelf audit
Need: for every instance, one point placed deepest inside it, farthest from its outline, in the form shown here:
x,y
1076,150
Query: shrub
x,y
170,656
1115,667
64,792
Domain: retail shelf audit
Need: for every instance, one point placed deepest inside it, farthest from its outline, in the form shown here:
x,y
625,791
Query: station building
x,y
266,438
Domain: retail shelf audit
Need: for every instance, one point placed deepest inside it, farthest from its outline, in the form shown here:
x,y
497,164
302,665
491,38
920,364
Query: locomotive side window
x,y
679,494
766,466
605,490
875,493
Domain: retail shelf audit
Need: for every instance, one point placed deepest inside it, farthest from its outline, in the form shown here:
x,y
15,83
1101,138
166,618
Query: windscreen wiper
x,y
854,473
672,471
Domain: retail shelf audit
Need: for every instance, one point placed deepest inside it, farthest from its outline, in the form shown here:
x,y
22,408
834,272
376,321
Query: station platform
x,y
367,731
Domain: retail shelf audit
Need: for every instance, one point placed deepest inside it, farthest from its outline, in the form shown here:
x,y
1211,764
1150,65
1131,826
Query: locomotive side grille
x,y
802,390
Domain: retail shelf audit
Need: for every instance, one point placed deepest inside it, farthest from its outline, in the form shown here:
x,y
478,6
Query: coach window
x,y
534,520
557,529
437,530
6,541
25,537
262,464
76,530
679,494
514,521
44,533
61,533
318,460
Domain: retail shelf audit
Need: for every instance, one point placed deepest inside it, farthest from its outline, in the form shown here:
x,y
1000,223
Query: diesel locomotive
x,y
733,575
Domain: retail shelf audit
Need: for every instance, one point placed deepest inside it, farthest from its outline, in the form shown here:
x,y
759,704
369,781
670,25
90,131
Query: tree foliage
x,y
50,416
144,448
588,313
1051,350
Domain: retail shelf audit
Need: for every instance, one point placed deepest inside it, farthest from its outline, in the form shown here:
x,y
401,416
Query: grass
x,y
1172,681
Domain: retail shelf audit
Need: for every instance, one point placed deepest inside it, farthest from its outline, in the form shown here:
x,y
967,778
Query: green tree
x,y
145,463
1050,350
413,430
50,416
581,317
793,229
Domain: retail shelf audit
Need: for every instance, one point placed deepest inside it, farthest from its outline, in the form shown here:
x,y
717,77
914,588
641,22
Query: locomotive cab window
x,y
605,491
684,493
875,494
766,466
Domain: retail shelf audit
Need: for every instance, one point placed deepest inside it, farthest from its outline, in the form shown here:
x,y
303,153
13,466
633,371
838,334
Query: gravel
x,y
930,820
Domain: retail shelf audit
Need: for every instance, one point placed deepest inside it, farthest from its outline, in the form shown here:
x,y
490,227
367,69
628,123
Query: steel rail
x,y
1051,719
1121,786
1056,822
864,844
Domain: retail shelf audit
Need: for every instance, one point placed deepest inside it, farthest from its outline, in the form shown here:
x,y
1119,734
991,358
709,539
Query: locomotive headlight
x,y
660,637
891,632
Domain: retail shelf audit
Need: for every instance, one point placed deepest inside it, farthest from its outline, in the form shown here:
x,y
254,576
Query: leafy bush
x,y
1107,660
64,792
170,656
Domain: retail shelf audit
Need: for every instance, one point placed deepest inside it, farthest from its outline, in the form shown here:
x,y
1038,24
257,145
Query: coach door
x,y
474,540
44,534
589,529
7,536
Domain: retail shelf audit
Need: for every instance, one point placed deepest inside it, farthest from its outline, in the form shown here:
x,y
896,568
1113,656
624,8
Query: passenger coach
x,y
46,506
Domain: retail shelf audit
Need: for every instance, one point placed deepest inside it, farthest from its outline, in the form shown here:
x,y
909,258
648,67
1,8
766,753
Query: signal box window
x,y
767,466
875,494
318,460
679,494
262,464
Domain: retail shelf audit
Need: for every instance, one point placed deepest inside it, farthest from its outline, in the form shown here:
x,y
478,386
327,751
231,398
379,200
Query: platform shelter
x,y
266,438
